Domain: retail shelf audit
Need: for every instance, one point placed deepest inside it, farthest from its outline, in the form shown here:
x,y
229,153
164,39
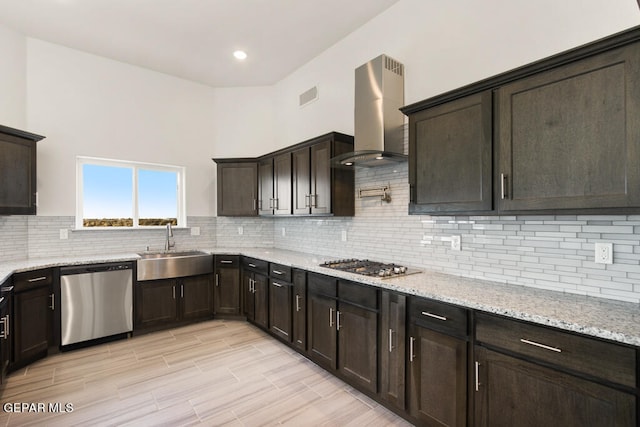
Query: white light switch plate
x,y
344,235
604,253
240,231
64,234
195,231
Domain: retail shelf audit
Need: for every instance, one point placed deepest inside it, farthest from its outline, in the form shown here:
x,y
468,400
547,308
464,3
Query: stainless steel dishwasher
x,y
96,301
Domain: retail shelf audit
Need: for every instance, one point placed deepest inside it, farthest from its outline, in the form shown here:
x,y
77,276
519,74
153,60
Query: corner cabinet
x,y
237,187
17,171
557,136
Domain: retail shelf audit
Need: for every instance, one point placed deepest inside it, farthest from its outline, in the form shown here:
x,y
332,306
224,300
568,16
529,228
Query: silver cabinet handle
x,y
435,316
226,261
37,279
181,291
338,320
477,366
252,265
173,290
5,330
307,200
314,199
254,204
252,286
297,302
537,344
278,272
7,324
390,340
53,301
277,205
504,193
277,285
411,355
217,280
330,317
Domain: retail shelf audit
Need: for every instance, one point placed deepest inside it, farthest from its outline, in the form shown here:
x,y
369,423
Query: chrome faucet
x,y
169,244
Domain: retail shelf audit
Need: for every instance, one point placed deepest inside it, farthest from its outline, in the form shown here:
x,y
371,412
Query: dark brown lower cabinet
x,y
166,302
515,392
358,345
299,316
321,330
392,348
33,308
5,329
280,319
255,291
226,298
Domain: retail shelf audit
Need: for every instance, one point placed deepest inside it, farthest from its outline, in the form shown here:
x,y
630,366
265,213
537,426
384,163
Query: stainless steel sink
x,y
167,265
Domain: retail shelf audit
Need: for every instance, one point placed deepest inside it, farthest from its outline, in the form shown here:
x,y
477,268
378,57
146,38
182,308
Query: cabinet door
x,y
32,324
280,309
392,348
299,310
227,291
237,189
513,392
265,187
450,164
570,137
17,176
321,178
321,330
282,184
358,346
156,303
437,378
248,306
197,297
301,172
261,297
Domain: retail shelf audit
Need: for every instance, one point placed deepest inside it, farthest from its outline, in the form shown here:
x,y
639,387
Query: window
x,y
112,193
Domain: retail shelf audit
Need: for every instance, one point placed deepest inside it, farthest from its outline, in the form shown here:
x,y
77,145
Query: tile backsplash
x,y
551,252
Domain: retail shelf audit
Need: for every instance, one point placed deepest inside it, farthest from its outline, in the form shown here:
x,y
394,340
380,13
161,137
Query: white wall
x,y
443,45
13,79
92,106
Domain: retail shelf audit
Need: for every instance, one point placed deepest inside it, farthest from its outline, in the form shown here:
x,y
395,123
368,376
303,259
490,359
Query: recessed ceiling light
x,y
240,54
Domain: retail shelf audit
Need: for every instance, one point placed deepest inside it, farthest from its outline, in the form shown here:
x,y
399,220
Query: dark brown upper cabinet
x,y
297,180
450,156
17,171
569,138
237,187
560,135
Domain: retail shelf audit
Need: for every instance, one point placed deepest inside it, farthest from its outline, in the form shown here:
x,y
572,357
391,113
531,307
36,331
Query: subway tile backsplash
x,y
550,252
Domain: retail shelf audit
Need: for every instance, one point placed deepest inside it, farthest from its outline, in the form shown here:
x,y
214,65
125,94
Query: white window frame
x,y
135,166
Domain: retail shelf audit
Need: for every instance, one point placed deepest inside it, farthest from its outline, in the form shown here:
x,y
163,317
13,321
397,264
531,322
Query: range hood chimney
x,y
379,123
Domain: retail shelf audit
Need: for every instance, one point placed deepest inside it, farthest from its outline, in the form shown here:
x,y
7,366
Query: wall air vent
x,y
308,96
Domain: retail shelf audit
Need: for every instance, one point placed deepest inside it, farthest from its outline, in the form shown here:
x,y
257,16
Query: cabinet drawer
x,y
280,272
227,261
438,316
322,285
608,361
255,265
32,279
361,295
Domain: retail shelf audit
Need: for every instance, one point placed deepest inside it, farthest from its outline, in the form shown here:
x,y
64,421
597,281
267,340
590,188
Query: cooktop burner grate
x,y
366,267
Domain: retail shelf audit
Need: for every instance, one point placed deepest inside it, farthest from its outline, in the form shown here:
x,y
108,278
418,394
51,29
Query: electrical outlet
x,y
344,235
240,231
604,253
284,232
64,234
455,243
195,231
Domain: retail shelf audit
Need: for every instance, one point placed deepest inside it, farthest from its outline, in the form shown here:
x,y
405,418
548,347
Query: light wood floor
x,y
211,373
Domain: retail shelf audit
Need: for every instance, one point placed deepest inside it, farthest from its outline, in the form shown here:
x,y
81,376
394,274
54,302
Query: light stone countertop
x,y
598,317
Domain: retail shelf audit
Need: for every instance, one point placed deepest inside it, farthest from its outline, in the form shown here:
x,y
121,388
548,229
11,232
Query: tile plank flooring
x,y
212,373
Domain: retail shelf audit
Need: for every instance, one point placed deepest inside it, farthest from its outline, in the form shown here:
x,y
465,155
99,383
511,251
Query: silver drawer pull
x,y
435,316
411,355
477,366
277,284
37,279
53,301
390,340
330,317
278,272
297,302
225,261
252,265
537,344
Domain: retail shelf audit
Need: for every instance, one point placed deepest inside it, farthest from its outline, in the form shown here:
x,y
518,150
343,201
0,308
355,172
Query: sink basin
x,y
167,265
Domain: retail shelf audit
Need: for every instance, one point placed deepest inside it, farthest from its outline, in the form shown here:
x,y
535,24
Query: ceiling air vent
x,y
308,96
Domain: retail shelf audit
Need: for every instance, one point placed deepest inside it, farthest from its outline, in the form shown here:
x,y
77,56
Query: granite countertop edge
x,y
597,317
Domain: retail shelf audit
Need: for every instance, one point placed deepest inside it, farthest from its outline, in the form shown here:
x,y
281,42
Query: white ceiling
x,y
195,39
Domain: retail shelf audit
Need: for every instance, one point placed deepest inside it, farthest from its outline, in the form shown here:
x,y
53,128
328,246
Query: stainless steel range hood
x,y
379,123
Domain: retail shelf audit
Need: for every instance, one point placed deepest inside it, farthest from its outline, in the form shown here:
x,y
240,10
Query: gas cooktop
x,y
369,268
